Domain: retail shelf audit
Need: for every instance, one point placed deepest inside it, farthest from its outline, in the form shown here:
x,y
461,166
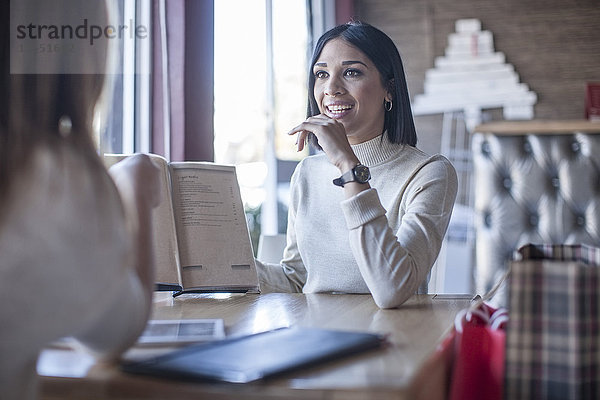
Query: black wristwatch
x,y
359,173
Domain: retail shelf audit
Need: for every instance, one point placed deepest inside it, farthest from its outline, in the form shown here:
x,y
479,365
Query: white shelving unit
x,y
471,77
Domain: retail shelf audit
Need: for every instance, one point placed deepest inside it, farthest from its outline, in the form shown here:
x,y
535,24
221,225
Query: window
x,y
128,123
260,93
260,66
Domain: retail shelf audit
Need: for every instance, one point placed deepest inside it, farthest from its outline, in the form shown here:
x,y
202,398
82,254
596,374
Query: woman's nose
x,y
334,87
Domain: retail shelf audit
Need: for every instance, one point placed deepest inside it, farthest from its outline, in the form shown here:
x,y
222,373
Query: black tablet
x,y
249,358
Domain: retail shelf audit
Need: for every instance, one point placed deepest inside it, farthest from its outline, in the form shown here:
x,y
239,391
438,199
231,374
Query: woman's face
x,y
348,88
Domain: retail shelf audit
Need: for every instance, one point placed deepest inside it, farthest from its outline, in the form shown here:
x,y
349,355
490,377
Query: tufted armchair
x,y
533,183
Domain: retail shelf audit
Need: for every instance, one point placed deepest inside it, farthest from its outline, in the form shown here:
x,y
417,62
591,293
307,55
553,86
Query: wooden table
x,y
414,329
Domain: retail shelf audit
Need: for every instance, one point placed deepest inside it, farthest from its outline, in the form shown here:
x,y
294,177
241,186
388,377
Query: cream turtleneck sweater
x,y
382,241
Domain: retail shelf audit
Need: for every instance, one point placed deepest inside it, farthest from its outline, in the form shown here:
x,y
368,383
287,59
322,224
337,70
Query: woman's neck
x,y
376,150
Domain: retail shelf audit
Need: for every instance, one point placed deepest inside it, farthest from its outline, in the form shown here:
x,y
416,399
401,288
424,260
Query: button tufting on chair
x,y
534,188
534,219
485,148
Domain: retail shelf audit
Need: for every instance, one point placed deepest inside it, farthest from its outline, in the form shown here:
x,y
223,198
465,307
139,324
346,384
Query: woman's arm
x,y
137,180
394,264
290,274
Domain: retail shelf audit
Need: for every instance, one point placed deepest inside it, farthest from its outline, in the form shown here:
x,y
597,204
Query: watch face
x,y
362,173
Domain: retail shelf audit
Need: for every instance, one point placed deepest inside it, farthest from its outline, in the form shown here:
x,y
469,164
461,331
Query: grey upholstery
x,y
532,189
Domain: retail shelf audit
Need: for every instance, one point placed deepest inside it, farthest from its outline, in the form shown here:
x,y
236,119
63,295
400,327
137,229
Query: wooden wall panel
x,y
554,46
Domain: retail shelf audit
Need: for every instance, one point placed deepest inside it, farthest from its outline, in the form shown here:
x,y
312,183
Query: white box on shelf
x,y
467,25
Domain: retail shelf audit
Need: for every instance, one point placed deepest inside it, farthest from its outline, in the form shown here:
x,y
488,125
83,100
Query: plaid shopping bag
x,y
553,336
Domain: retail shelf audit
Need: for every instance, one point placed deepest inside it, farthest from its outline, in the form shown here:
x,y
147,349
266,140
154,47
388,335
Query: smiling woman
x,y
382,231
346,83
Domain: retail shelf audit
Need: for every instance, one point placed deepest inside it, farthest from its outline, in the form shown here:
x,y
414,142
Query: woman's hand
x,y
331,135
137,176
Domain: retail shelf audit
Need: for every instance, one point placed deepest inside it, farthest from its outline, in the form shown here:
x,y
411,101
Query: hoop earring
x,y
388,105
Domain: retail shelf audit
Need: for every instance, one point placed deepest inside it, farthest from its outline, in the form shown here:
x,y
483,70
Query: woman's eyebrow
x,y
350,62
353,62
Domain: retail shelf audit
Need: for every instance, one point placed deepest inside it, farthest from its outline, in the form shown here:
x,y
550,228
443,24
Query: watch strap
x,y
347,177
351,176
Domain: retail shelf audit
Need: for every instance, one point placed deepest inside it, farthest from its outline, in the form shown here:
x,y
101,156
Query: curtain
x,y
182,80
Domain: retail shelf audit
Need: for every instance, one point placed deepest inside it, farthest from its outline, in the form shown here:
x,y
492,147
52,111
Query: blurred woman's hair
x,y
48,109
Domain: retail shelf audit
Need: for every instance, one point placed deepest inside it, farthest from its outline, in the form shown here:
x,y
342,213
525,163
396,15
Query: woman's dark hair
x,y
380,49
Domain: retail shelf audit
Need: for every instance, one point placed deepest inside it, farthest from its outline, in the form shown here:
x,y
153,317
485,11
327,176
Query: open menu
x,y
201,239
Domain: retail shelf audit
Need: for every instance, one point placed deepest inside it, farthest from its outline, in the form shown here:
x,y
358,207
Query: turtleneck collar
x,y
376,150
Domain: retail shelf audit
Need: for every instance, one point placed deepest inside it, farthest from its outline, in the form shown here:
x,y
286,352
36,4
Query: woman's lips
x,y
338,111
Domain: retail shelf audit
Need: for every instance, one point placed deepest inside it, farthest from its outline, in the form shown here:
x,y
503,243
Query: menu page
x,y
214,243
